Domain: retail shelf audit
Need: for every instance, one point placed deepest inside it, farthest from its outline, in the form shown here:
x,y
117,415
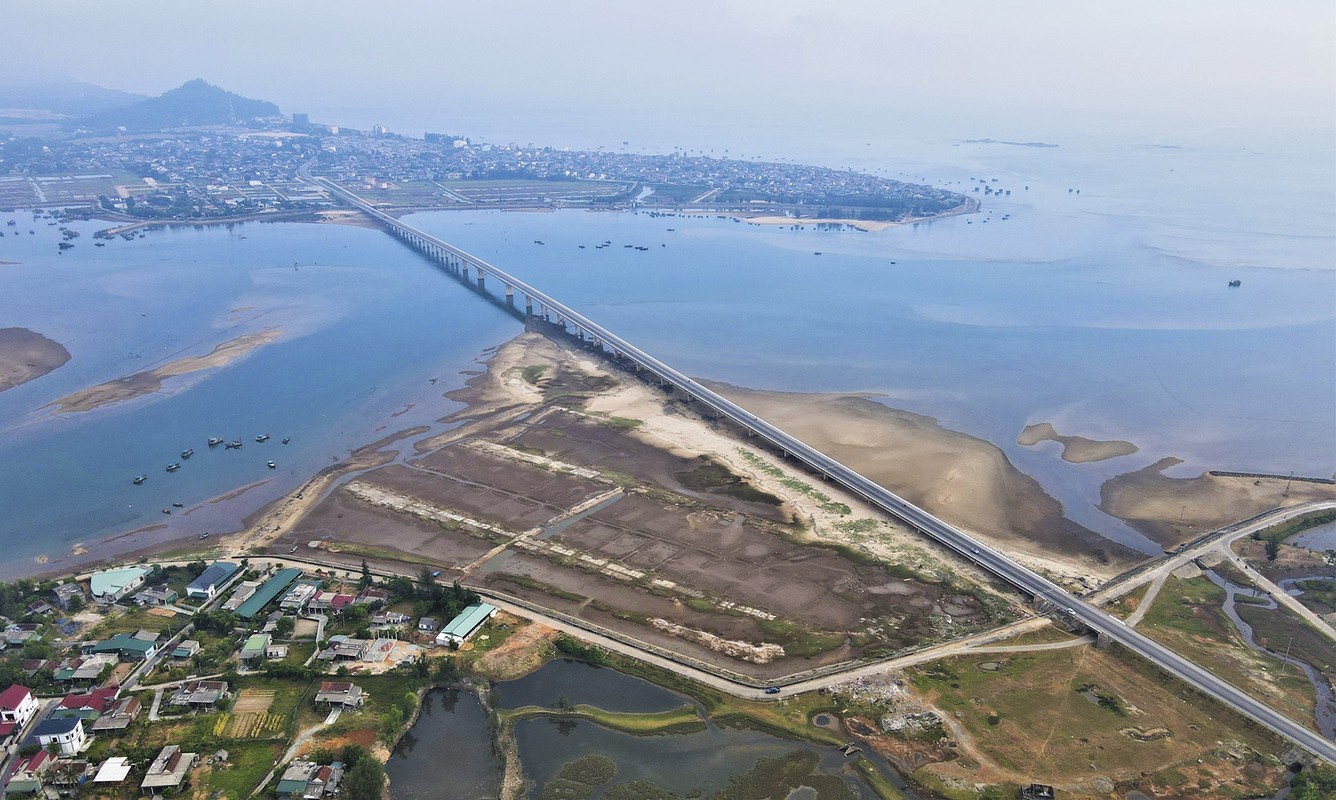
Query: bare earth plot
x,y
585,515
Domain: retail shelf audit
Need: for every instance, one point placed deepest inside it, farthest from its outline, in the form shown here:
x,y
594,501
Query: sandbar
x,y
1175,510
965,480
25,355
1075,449
150,381
342,217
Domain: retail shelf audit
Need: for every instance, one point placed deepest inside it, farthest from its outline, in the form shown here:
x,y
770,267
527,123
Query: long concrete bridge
x,y
475,271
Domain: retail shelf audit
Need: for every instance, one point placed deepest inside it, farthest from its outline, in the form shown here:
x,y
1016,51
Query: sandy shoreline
x,y
1075,449
150,381
966,480
26,355
1175,510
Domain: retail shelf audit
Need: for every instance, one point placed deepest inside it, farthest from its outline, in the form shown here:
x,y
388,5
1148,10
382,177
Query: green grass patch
x,y
526,582
1284,530
711,476
798,640
624,423
247,764
133,619
678,720
532,373
880,785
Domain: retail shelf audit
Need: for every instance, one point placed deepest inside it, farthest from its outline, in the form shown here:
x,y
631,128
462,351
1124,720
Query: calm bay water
x,y
1104,312
366,327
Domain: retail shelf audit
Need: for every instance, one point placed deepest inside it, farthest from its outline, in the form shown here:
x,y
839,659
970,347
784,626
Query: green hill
x,y
66,97
192,103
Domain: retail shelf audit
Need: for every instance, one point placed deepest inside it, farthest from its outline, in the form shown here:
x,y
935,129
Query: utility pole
x,y
1285,665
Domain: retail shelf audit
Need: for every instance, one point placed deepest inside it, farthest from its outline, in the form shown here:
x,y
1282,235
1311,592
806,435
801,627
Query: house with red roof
x,y
25,776
17,705
87,705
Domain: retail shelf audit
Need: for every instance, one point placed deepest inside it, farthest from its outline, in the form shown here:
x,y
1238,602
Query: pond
x,y
451,736
583,683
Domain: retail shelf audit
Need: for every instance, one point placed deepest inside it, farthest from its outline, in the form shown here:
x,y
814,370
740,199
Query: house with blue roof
x,y
211,580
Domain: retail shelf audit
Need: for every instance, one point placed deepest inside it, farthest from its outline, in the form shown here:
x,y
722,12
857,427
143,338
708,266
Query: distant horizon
x,y
1024,71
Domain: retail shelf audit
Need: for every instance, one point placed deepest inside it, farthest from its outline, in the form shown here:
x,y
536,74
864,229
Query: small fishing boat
x,y
214,441
178,505
140,479
287,439
188,452
166,511
236,445
271,465
204,536
173,467
264,437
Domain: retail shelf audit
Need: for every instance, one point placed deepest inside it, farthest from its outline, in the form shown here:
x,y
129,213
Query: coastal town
x,y
224,173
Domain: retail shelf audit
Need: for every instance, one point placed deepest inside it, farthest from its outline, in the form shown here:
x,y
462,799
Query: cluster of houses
x,y
47,759
49,739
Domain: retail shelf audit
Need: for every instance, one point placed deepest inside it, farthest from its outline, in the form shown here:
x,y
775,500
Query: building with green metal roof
x,y
466,624
127,647
110,585
271,589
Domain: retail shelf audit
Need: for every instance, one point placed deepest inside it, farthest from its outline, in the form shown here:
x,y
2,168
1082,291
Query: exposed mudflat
x,y
25,355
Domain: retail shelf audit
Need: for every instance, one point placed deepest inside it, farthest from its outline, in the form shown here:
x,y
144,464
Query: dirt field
x,y
586,514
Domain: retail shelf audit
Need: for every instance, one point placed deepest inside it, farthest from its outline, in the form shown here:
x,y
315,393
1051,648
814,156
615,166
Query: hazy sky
x,y
965,64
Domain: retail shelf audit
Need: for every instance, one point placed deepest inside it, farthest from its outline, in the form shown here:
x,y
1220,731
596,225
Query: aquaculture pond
x,y
556,753
452,736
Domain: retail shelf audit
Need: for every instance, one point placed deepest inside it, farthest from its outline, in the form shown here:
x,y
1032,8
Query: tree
x,y
1272,548
365,780
390,724
400,587
284,627
1315,783
365,580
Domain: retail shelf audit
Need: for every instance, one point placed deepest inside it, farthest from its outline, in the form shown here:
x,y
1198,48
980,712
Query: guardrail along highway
x,y
459,263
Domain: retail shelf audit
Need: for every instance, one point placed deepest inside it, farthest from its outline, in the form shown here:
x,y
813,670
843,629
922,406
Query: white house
x,y
67,733
17,705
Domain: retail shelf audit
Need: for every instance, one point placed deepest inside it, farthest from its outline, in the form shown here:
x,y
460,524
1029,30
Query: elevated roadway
x,y
1044,591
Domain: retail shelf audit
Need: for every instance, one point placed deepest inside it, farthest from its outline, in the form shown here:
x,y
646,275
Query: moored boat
x,y
214,441
188,452
140,479
173,467
264,437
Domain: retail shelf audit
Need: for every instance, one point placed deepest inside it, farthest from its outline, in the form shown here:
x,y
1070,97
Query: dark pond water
x,y
681,763
451,738
582,683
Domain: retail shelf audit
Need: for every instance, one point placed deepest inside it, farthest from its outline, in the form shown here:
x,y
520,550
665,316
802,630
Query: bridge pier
x,y
510,295
528,306
464,269
482,285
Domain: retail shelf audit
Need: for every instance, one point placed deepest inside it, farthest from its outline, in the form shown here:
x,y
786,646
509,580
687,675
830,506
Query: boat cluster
x,y
214,441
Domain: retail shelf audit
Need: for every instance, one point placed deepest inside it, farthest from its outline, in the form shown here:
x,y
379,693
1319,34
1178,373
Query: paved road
x,y
1042,589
